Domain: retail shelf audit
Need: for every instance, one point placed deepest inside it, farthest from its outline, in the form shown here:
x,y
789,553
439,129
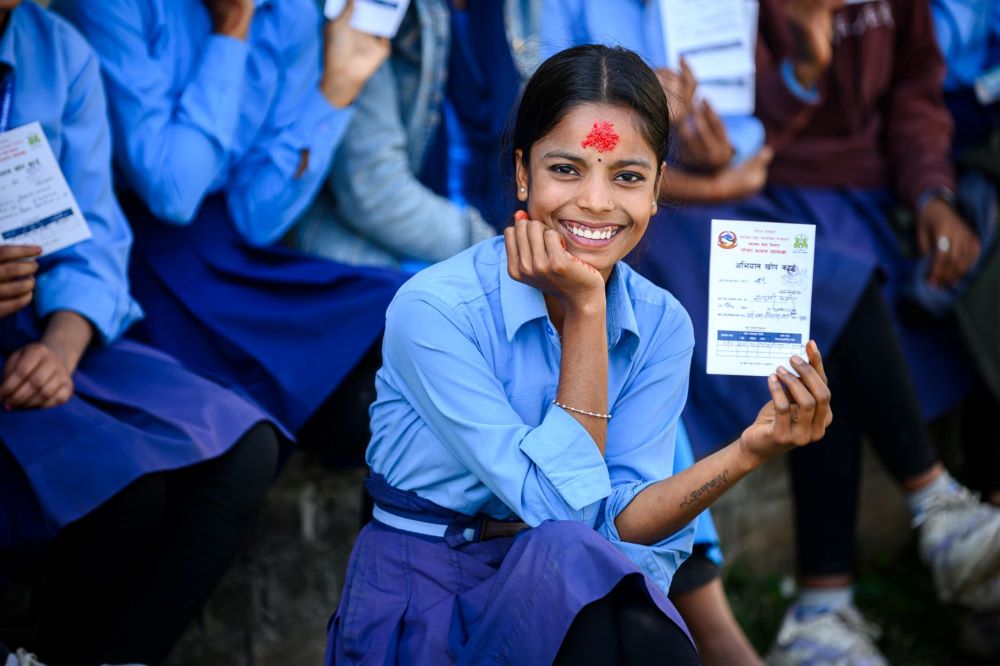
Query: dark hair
x,y
591,74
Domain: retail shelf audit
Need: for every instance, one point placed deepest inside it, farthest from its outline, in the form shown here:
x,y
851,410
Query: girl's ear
x,y
520,175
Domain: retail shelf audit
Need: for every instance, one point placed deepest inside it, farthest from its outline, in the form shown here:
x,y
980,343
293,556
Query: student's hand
x,y
537,256
231,17
811,22
704,141
798,412
953,246
679,88
35,377
17,276
350,57
745,179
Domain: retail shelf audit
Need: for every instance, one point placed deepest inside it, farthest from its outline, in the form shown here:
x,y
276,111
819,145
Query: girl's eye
x,y
630,177
564,169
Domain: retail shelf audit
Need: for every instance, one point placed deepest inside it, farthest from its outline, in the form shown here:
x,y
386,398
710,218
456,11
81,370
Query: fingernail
x,y
773,379
521,215
797,360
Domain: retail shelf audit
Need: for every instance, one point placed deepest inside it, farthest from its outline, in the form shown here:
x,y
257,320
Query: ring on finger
x,y
943,244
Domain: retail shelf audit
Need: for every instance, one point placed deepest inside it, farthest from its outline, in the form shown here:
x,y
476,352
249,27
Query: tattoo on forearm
x,y
718,482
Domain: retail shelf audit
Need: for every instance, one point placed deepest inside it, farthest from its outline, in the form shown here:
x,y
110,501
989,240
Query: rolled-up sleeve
x,y
550,471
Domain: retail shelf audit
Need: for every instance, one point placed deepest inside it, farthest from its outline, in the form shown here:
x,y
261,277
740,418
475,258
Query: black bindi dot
x,y
599,159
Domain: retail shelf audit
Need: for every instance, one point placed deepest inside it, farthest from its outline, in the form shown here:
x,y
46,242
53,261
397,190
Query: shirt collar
x,y
522,303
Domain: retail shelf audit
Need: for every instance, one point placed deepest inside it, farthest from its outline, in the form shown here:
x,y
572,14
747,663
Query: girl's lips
x,y
590,236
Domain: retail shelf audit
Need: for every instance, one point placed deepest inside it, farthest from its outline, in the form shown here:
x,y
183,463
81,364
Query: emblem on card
x,y
727,240
34,140
801,242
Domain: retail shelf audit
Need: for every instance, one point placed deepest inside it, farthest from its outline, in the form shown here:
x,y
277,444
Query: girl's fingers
x,y
555,246
523,246
536,239
15,289
816,360
61,396
35,380
13,270
19,367
513,260
782,407
15,252
800,394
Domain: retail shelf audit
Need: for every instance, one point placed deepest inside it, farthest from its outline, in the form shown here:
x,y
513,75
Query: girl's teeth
x,y
593,234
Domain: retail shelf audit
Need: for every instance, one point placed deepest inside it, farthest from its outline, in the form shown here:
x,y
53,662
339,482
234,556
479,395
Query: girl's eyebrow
x,y
577,159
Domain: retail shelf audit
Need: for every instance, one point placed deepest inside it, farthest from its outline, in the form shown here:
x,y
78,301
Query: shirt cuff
x,y
660,561
567,456
211,101
807,95
318,128
109,312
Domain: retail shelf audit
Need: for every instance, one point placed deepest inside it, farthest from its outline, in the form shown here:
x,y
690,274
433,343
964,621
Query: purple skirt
x,y
413,599
134,411
281,327
854,243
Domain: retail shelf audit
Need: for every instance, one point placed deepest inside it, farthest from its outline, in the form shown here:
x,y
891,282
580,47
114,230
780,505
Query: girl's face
x,y
593,179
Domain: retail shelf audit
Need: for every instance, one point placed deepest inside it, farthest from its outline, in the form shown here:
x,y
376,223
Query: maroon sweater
x,y
880,119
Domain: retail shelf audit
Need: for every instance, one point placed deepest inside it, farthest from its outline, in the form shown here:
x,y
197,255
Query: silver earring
x,y
520,189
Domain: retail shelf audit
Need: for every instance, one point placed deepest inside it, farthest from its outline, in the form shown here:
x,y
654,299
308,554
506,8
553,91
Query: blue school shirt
x,y
464,415
636,25
968,32
57,83
195,113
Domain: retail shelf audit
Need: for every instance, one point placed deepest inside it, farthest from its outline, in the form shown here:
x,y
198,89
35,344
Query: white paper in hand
x,y
36,205
376,17
759,295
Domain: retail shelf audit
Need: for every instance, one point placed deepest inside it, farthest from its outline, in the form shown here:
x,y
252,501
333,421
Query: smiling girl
x,y
527,509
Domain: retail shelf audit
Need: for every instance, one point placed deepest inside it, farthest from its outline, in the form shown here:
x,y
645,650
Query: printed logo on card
x,y
34,140
727,240
801,242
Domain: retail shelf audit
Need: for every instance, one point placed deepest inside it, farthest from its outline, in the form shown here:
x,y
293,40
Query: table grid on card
x,y
758,345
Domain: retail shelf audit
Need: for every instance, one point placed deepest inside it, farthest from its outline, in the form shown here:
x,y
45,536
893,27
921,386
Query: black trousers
x,y
873,394
625,628
123,583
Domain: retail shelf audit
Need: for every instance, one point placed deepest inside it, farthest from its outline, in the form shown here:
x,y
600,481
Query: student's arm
x,y
170,147
794,50
39,375
380,197
798,414
273,183
89,278
731,184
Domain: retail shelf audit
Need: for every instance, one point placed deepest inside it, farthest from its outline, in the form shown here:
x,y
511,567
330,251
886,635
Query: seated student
x,y
427,136
890,130
224,124
537,378
696,177
133,477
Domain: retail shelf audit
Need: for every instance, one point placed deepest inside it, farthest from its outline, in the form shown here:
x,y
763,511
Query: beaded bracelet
x,y
581,411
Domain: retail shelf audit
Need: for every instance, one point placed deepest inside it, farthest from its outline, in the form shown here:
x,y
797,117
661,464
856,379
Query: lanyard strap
x,y
7,101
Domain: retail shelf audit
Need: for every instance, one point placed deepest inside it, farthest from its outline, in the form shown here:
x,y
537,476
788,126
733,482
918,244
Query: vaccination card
x,y
759,295
376,17
36,205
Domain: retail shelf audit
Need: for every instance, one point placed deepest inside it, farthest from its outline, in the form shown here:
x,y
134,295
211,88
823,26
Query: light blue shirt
x,y
968,32
195,113
464,415
57,83
636,25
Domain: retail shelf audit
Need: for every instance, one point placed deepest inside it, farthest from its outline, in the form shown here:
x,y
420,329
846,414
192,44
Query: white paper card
x,y
36,205
376,17
718,40
759,295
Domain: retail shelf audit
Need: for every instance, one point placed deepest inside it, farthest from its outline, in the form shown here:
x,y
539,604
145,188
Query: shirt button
x,y
548,329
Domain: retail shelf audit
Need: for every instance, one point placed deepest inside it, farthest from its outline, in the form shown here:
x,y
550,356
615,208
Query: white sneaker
x,y
960,542
838,638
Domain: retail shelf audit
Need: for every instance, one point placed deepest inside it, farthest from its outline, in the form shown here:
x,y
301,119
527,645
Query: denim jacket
x,y
373,209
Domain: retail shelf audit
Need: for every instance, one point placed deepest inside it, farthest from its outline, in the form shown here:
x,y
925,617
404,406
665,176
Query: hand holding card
x,y
376,17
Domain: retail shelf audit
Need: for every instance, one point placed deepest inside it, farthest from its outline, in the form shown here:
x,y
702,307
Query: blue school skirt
x,y
134,411
418,599
854,244
282,327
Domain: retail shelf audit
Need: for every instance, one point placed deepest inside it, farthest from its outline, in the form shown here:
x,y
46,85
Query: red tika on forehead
x,y
602,137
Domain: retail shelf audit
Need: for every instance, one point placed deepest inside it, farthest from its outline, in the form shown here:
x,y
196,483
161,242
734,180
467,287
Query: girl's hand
x,y
798,412
231,17
537,255
350,57
17,276
811,22
35,377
